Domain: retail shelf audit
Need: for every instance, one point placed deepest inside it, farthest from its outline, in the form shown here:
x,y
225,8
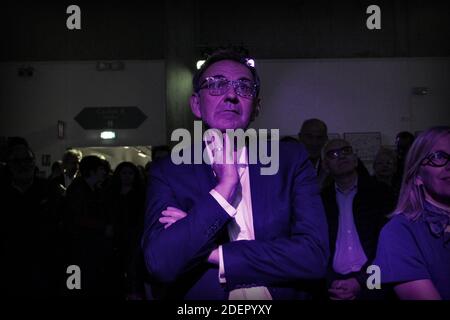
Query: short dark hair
x,y
90,163
226,54
313,121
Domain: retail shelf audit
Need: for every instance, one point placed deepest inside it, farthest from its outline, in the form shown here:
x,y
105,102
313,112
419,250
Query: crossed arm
x,y
175,241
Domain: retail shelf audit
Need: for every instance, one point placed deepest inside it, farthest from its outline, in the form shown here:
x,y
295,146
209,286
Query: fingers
x,y
336,284
174,212
340,294
335,292
171,215
167,221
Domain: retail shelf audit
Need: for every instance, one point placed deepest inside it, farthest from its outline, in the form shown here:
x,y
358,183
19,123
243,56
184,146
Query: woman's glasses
x,y
436,159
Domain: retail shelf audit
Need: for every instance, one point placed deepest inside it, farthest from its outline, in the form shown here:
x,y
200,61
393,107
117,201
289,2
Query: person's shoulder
x,y
400,221
161,161
399,226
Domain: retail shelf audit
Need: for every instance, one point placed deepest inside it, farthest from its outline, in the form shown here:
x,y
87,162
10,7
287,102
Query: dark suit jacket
x,y
371,205
290,229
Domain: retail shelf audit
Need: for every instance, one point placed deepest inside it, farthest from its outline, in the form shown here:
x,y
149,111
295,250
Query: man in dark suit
x,y
28,233
356,207
225,231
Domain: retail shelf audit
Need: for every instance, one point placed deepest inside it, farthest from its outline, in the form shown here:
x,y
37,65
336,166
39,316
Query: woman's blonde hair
x,y
411,198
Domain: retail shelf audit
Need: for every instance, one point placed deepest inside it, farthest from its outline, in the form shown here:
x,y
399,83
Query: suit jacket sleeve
x,y
187,243
302,255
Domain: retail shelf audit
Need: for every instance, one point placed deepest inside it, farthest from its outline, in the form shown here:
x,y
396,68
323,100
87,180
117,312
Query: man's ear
x,y
195,105
256,108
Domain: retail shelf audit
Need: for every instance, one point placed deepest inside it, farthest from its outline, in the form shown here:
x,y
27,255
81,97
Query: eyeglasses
x,y
336,153
436,159
219,86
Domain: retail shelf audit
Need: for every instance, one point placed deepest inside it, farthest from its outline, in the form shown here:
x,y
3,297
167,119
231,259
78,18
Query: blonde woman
x,y
414,247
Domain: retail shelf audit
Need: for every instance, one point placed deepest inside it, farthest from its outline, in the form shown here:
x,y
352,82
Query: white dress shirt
x,y
349,255
241,228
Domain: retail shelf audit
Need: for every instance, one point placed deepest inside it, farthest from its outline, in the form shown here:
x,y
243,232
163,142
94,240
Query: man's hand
x,y
171,215
344,289
225,168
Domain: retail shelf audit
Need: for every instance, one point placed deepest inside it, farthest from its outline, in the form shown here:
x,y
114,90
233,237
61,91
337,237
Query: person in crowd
x,y
314,134
223,230
126,205
71,161
87,226
414,247
57,170
385,168
356,207
29,241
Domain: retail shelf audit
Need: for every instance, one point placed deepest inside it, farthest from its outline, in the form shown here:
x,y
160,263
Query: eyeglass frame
x,y
429,162
230,83
339,152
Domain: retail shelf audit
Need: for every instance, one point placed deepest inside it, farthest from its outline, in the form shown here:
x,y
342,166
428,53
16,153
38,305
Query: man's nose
x,y
231,95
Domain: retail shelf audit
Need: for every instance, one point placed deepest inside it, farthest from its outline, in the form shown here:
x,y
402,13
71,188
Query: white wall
x,y
355,95
30,107
350,95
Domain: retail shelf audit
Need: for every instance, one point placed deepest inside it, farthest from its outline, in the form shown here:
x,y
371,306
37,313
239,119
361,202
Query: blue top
x,y
415,250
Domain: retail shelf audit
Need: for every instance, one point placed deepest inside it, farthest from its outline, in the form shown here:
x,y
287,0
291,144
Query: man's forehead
x,y
229,69
316,129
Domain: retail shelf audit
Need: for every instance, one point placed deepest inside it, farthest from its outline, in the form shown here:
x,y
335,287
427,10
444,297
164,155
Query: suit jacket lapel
x,y
204,177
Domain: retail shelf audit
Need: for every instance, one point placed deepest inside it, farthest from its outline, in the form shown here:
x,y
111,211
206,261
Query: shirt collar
x,y
349,190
